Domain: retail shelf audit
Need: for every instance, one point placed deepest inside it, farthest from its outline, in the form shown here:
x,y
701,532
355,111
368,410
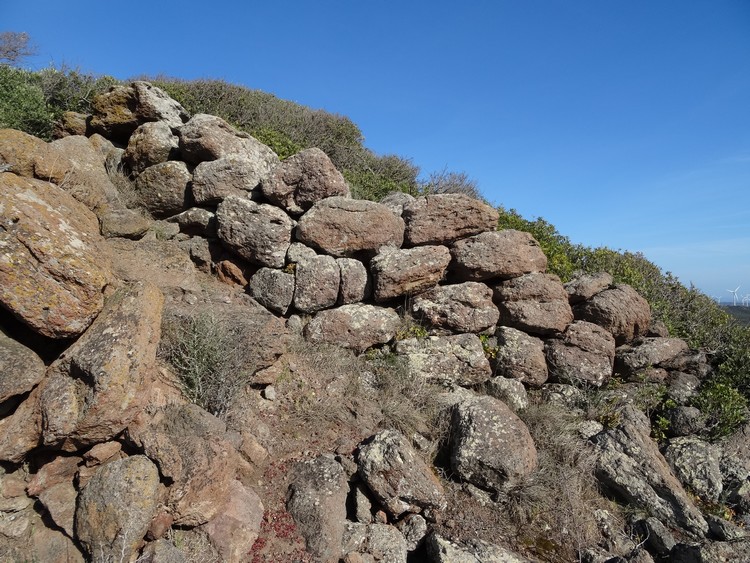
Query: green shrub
x,y
209,357
723,407
22,103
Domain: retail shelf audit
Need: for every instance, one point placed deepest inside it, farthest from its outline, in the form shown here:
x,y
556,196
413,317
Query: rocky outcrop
x,y
520,356
357,326
620,310
52,272
456,359
163,188
152,143
584,355
407,272
534,303
465,307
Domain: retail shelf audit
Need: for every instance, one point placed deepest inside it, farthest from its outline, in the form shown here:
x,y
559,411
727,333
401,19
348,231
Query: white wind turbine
x,y
734,294
746,300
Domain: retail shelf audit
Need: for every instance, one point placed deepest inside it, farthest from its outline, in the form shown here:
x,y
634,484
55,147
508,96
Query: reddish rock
x,y
215,180
398,272
304,179
648,353
520,356
236,527
60,470
584,355
497,254
20,150
162,188
52,272
344,227
535,303
585,286
465,307
620,310
152,143
355,283
20,368
444,218
21,431
317,284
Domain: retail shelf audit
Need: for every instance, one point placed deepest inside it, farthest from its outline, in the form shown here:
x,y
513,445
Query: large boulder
x,y
443,218
584,354
630,465
497,254
464,307
93,391
398,272
207,137
373,542
317,502
274,289
163,188
317,284
620,310
152,143
116,507
534,303
214,180
344,227
192,451
21,431
585,286
119,112
397,476
52,272
19,151
20,368
490,447
648,352
520,356
257,232
455,359
302,180
356,326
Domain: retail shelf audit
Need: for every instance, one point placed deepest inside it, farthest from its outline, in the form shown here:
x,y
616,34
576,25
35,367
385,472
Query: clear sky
x,y
624,123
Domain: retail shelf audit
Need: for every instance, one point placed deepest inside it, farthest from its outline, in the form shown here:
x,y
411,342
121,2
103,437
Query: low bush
x,y
209,358
22,103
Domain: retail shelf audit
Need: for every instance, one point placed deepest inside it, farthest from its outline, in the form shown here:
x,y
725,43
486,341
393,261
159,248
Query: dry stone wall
x,y
306,257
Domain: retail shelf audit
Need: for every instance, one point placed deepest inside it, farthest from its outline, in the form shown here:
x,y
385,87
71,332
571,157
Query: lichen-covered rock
x,y
457,359
355,283
648,353
316,284
583,355
620,310
257,232
191,449
302,180
520,356
238,175
196,221
20,368
443,218
21,431
152,143
207,137
396,201
440,550
397,476
497,255
490,447
119,112
367,543
585,286
52,272
398,272
93,391
510,391
357,326
274,289
696,464
125,223
19,151
630,465
534,303
163,188
344,227
464,307
317,502
115,508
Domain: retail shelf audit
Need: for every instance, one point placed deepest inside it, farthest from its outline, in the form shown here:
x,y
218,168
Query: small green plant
x,y
209,357
490,349
723,407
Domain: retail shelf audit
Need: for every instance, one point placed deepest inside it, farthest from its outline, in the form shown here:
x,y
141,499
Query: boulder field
x,y
103,457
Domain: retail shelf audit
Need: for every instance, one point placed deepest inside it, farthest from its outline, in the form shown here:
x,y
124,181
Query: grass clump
x,y
209,358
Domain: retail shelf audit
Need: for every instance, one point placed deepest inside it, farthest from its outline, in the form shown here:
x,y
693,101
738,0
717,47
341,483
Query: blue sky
x,y
623,123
